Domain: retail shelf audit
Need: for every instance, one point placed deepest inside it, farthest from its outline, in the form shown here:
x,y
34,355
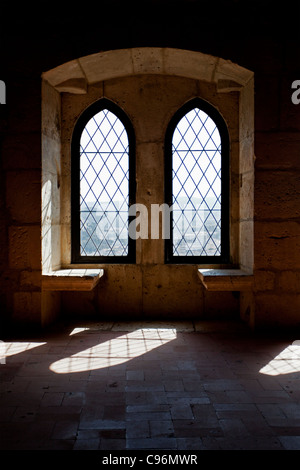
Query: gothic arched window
x,y
103,185
197,185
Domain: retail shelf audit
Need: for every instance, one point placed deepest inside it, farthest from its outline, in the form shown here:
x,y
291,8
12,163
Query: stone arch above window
x,y
77,76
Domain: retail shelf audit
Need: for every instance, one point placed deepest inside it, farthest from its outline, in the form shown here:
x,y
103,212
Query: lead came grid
x,y
196,179
104,186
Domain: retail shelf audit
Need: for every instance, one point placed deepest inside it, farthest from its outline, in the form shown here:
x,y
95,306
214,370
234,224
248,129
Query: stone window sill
x,y
72,279
226,279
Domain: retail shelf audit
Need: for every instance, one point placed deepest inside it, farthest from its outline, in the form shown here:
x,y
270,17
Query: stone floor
x,y
176,386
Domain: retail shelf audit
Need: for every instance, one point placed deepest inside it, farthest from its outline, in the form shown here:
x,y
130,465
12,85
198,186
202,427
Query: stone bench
x,y
71,279
226,279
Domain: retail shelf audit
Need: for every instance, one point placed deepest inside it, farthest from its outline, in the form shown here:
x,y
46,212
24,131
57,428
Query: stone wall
x,y
257,36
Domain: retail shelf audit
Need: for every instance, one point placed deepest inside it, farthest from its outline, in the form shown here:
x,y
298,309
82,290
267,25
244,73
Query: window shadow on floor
x,y
148,386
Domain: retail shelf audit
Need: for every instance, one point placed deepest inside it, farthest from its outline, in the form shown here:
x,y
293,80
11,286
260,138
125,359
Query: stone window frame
x,y
221,125
86,115
75,76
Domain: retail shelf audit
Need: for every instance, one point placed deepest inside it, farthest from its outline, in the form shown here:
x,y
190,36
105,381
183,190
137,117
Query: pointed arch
x,y
103,185
71,87
197,185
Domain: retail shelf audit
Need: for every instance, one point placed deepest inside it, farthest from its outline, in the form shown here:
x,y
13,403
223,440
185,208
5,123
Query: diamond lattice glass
x,y
104,186
196,179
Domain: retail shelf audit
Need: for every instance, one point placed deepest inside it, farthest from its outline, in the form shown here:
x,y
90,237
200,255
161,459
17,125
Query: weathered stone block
x,y
51,307
221,305
31,280
120,293
25,247
21,151
289,281
264,280
157,96
246,196
101,66
23,196
147,60
246,240
171,291
277,310
192,64
277,245
27,307
266,102
277,194
277,150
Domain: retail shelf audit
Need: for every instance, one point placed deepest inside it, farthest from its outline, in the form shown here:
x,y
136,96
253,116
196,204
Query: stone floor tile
x,y
89,434
161,428
211,443
234,407
86,444
186,364
257,426
25,414
156,443
204,413
112,444
52,399
201,391
271,396
190,444
193,428
112,433
135,375
147,408
240,396
138,429
65,430
291,410
148,415
192,385
184,400
114,412
271,411
139,386
56,413
173,385
157,397
136,397
57,444
290,442
222,385
181,411
250,443
234,427
102,424
73,399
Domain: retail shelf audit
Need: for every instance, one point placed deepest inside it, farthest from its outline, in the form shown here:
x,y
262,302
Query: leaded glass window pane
x,y
104,186
196,186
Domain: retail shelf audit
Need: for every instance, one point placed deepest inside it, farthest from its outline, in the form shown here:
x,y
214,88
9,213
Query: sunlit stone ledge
x,y
72,279
226,279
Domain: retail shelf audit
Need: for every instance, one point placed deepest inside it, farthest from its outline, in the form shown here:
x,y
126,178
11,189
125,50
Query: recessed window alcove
x,y
150,85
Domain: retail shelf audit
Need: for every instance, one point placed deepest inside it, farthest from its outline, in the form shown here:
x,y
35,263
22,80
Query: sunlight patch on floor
x,y
115,350
12,348
287,362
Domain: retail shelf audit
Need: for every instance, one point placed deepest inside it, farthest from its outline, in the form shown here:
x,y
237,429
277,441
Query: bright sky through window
x,y
196,174
104,186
